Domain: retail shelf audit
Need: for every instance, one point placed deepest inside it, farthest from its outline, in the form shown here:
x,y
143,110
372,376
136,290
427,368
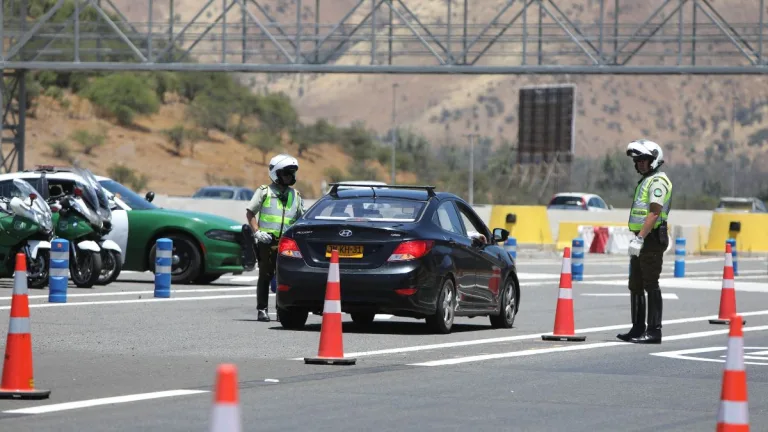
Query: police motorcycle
x,y
111,254
27,227
77,219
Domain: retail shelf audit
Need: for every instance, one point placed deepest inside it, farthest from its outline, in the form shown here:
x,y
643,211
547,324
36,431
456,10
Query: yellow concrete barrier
x,y
570,230
752,237
527,224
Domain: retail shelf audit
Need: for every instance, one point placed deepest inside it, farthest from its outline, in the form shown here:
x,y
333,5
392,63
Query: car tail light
x,y
411,250
406,291
288,247
283,288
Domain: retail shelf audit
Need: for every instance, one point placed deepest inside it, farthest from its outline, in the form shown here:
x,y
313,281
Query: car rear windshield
x,y
574,201
375,210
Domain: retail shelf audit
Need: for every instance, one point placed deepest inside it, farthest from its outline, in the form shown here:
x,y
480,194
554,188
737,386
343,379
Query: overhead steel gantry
x,y
371,36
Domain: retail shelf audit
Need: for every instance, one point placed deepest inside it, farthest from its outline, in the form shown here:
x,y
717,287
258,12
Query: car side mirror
x,y
500,235
149,196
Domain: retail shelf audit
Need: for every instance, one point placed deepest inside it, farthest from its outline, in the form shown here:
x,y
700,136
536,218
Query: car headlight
x,y
222,235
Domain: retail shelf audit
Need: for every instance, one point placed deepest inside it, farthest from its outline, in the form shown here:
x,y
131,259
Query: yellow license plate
x,y
345,251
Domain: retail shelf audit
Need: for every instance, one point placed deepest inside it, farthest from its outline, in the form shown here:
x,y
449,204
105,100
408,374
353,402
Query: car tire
x,y
508,307
292,319
442,321
194,267
363,318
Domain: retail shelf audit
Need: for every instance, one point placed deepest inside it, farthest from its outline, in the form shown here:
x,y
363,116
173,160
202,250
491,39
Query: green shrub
x,y
122,95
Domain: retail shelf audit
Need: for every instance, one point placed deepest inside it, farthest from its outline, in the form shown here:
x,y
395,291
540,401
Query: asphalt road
x,y
120,342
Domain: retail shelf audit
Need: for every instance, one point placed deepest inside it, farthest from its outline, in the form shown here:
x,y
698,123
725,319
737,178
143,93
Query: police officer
x,y
278,206
648,221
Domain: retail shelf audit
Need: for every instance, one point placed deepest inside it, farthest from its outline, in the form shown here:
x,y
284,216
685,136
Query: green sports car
x,y
205,246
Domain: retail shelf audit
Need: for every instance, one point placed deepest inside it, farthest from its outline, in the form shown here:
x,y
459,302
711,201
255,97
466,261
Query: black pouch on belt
x,y
663,233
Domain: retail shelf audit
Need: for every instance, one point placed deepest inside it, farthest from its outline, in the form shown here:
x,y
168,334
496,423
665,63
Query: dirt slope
x,y
146,150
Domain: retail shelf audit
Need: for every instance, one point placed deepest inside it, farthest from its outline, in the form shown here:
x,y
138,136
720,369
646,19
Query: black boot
x,y
653,334
637,306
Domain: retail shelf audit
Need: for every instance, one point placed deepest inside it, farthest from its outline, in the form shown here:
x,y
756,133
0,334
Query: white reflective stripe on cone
x,y
566,293
332,306
19,326
20,283
734,413
333,273
728,260
566,266
226,418
728,283
734,360
60,255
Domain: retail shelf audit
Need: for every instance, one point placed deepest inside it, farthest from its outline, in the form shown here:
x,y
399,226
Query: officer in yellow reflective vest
x,y
278,206
648,221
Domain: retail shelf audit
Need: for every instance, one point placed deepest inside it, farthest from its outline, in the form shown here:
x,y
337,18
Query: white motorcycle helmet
x,y
645,149
283,164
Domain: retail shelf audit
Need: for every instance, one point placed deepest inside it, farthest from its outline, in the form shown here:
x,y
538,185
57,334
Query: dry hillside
x,y
147,151
680,112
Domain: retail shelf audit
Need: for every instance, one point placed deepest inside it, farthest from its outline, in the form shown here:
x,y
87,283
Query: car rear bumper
x,y
303,287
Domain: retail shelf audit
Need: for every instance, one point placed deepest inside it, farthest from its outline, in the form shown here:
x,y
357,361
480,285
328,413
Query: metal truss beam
x,y
387,36
13,96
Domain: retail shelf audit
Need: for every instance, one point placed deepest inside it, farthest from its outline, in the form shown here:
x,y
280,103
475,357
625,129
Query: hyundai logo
x,y
345,233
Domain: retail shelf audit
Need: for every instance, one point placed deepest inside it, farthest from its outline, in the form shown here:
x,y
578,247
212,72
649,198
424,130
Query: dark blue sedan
x,y
403,250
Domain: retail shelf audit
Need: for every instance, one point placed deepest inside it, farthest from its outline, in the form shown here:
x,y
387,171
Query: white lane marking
x,y
147,300
680,355
103,401
123,293
667,296
590,277
713,285
461,360
739,277
527,337
243,278
382,317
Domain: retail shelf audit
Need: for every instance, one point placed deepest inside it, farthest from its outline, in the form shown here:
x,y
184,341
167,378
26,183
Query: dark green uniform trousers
x,y
644,273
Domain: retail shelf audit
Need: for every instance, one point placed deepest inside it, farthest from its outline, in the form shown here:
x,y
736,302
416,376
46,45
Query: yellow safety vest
x,y
275,217
641,204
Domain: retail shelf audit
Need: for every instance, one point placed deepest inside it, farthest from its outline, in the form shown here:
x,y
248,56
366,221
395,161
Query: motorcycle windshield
x,y
38,206
101,196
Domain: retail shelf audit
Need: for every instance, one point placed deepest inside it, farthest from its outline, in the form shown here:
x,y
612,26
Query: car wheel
x,y
442,320
187,261
363,318
292,319
508,307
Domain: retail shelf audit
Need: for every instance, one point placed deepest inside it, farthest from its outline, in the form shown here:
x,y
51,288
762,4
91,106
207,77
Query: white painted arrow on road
x,y
667,296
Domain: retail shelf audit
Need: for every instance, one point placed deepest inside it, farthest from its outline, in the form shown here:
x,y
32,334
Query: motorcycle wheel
x,y
112,264
85,271
40,266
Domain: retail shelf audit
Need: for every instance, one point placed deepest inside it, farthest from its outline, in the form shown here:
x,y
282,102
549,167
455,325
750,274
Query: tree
x,y
263,141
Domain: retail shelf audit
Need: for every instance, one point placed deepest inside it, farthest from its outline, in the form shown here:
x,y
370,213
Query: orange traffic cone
x,y
564,325
331,350
733,414
728,293
225,416
18,379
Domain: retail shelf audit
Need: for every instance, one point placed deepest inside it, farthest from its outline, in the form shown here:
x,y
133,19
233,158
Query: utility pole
x,y
394,128
471,167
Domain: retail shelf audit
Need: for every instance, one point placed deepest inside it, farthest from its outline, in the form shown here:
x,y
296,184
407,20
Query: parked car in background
x,y
577,201
224,192
741,205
